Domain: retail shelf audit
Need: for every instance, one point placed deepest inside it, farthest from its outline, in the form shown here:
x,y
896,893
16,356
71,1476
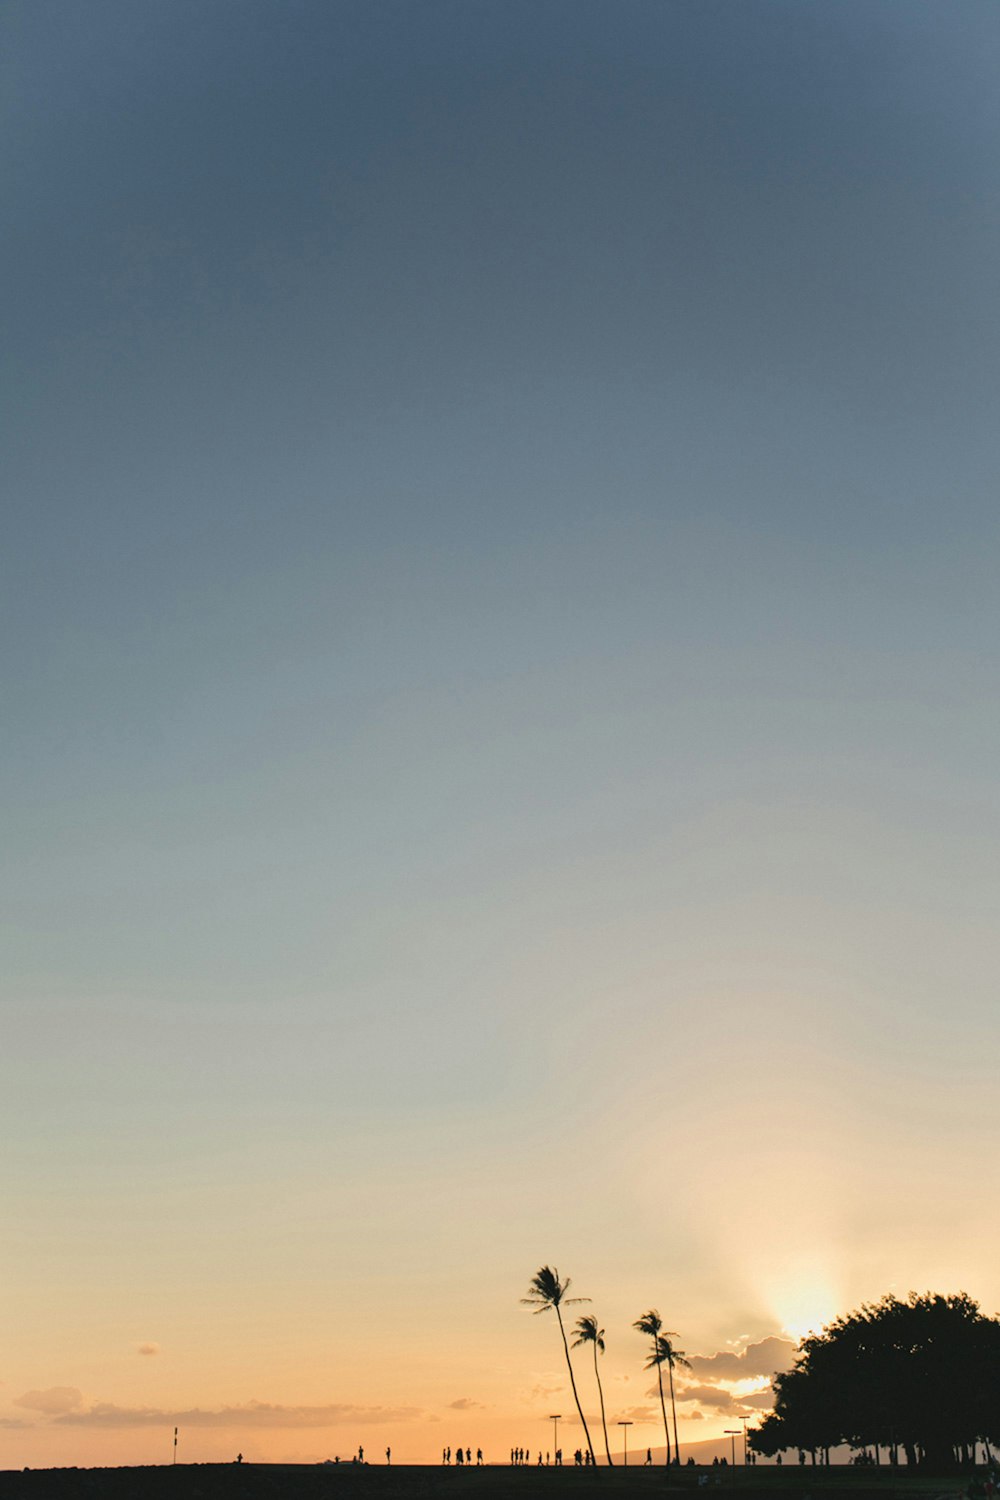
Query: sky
x,y
500,733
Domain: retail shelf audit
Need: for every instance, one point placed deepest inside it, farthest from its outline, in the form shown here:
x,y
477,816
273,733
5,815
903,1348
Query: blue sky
x,y
498,597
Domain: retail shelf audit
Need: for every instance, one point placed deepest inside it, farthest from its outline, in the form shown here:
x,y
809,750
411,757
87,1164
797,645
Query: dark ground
x,y
496,1482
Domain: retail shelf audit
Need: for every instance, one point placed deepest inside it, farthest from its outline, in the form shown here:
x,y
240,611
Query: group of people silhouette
x,y
521,1456
359,1457
462,1456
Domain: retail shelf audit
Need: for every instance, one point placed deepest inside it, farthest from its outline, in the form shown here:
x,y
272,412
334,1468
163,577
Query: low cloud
x,y
542,1389
15,1423
252,1414
642,1414
767,1357
719,1372
147,1349
53,1401
465,1403
724,1403
709,1395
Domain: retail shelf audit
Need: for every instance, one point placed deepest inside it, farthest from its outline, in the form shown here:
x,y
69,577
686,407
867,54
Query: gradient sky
x,y
500,733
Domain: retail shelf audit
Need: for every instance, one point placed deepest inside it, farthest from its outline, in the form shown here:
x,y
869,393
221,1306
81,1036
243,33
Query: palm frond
x,y
668,1355
587,1331
650,1323
547,1290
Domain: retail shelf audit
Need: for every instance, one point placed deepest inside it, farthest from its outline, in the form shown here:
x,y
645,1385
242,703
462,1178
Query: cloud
x,y
252,1414
53,1401
642,1414
724,1402
544,1389
465,1403
766,1357
737,1367
147,1349
16,1423
709,1395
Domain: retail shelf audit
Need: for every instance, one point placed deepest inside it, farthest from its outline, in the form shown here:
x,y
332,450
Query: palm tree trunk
x,y
673,1408
663,1407
576,1398
604,1424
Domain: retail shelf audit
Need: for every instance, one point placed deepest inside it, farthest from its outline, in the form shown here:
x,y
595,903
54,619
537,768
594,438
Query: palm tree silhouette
x,y
546,1290
587,1332
670,1357
651,1324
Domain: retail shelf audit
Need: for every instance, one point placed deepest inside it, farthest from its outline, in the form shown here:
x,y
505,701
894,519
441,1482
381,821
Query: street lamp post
x,y
554,1418
732,1433
626,1426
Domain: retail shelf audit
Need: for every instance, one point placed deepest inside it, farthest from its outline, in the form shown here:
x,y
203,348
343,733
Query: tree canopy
x,y
921,1375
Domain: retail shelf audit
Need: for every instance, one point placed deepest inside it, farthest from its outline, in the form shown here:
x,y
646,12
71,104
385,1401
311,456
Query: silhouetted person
x,y
468,1455
479,1458
361,1455
388,1455
649,1458
239,1458
459,1456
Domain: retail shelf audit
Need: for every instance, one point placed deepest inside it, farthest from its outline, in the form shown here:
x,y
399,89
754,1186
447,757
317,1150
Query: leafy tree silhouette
x,y
921,1374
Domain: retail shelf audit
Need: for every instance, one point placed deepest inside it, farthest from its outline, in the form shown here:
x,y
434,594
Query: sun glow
x,y
751,1386
804,1300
